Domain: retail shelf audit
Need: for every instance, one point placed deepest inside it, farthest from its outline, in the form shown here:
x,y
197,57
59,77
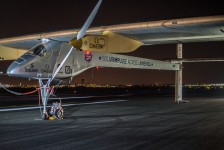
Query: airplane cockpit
x,y
38,50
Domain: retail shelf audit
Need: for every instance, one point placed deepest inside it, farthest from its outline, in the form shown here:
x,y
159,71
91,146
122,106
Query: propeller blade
x,y
84,28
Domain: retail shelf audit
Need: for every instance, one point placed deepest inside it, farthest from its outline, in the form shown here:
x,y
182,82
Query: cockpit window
x,y
39,50
20,60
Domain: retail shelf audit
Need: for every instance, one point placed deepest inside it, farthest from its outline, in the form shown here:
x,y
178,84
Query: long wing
x,y
198,29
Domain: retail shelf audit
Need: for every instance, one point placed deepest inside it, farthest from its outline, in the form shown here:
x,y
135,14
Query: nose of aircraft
x,y
13,69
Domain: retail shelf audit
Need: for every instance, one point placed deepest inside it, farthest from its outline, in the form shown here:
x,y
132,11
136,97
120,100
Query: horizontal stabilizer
x,y
190,60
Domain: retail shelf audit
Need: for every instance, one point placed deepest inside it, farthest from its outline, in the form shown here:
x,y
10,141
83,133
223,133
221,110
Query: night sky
x,y
27,17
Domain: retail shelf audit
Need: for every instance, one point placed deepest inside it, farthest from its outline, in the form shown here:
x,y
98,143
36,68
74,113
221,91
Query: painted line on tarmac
x,y
64,105
92,103
85,97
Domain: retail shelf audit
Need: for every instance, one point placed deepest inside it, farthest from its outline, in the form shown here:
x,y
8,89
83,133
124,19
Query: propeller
x,y
88,22
77,42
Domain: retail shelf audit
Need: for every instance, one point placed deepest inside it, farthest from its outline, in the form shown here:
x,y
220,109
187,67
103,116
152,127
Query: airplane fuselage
x,y
43,60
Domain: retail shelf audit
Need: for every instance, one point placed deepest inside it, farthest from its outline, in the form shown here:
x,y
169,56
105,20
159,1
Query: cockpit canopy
x,y
39,50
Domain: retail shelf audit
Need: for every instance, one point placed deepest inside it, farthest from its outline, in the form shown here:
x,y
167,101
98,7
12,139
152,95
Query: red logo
x,y
88,57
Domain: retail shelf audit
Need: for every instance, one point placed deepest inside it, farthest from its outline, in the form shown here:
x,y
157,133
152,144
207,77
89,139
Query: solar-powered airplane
x,y
58,55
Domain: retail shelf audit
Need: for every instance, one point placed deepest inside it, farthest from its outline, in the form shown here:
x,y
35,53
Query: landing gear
x,y
56,109
45,116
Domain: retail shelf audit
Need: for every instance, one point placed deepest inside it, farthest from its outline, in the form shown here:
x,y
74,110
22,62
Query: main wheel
x,y
59,114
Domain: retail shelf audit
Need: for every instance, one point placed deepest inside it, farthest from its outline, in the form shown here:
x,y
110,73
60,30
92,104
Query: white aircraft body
x,y
63,54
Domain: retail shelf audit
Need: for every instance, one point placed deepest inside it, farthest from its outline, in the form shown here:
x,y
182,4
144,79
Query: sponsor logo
x,y
31,70
68,70
88,57
125,61
99,43
46,70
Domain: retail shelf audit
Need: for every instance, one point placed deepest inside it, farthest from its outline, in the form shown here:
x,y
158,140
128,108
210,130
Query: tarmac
x,y
130,123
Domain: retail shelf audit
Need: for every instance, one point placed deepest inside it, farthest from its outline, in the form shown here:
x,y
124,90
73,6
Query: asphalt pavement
x,y
130,123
